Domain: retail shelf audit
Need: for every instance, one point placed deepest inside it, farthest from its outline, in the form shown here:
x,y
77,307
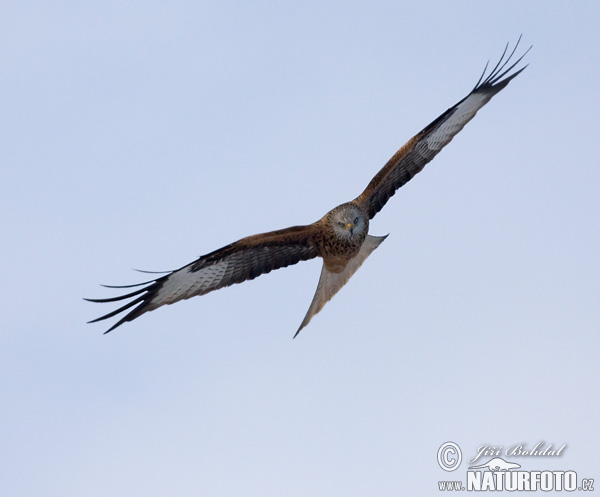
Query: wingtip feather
x,y
494,78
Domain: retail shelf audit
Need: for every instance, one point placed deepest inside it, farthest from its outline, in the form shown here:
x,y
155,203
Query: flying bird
x,y
340,237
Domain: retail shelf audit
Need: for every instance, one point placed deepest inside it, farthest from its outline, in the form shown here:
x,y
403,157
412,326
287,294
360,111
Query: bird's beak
x,y
349,226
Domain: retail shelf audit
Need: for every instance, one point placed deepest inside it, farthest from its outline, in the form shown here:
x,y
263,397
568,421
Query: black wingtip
x,y
130,316
107,331
152,272
130,286
111,328
141,301
120,297
482,75
500,70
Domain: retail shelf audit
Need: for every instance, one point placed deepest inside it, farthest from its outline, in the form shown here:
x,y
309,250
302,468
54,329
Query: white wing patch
x,y
184,284
464,112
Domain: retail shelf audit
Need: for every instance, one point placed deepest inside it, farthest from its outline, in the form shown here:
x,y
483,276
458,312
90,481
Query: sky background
x,y
145,134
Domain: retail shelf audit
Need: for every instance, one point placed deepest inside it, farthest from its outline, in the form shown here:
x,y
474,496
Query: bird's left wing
x,y
240,261
423,147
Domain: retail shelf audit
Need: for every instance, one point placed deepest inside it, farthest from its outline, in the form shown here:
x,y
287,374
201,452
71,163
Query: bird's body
x,y
340,237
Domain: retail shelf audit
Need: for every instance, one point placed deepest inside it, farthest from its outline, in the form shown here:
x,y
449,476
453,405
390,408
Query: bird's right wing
x,y
424,146
240,261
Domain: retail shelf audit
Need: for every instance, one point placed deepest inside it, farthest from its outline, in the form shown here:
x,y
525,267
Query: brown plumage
x,y
340,237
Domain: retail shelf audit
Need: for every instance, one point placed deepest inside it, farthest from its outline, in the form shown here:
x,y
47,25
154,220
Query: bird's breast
x,y
337,252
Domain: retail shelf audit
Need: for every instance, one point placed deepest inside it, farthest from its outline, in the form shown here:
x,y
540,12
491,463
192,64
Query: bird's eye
x,y
342,225
355,220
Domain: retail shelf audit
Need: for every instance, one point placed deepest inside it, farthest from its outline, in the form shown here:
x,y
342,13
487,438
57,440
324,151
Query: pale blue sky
x,y
145,135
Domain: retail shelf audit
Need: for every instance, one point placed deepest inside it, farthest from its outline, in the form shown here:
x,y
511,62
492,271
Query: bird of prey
x,y
340,237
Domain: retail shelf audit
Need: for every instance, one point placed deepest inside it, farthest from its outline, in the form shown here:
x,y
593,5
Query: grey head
x,y
348,222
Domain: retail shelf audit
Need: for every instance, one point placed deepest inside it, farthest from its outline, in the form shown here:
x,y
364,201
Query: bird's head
x,y
348,222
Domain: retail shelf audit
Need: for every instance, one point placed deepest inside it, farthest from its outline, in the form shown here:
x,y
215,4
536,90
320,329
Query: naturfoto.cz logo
x,y
497,473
